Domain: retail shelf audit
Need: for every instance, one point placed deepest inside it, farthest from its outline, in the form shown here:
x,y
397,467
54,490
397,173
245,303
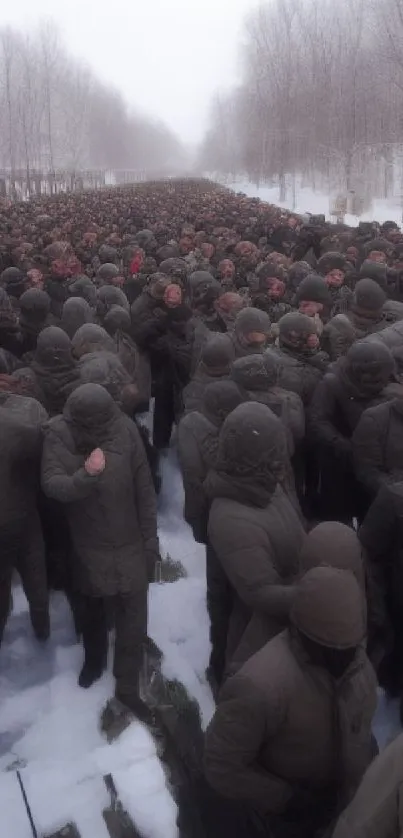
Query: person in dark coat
x,y
82,286
333,267
378,446
256,377
21,540
254,529
301,364
34,316
214,365
291,736
76,312
10,339
55,369
251,332
198,434
94,463
338,403
365,317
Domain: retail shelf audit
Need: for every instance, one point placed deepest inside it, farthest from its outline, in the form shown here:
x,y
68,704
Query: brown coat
x,y
112,516
377,808
275,729
258,549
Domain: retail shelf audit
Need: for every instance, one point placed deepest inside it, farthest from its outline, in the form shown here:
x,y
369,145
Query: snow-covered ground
x,y
49,726
308,200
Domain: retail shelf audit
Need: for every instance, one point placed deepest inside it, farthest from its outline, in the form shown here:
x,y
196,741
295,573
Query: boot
x,y
89,674
40,622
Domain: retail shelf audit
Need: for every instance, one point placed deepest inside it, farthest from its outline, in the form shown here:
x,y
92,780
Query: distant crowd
x,y
271,351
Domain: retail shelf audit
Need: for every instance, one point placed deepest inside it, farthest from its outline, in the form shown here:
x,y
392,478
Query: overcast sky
x,y
166,56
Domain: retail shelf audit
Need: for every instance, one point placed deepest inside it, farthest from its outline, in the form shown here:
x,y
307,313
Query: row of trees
x,y
55,113
321,96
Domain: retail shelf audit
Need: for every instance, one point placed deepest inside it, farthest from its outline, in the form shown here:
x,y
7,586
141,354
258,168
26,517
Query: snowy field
x,y
49,726
308,200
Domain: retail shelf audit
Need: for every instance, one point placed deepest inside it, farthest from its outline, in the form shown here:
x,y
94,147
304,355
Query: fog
x,y
167,57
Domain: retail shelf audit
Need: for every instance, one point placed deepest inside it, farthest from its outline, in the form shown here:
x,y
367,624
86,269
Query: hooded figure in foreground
x,y
291,737
94,463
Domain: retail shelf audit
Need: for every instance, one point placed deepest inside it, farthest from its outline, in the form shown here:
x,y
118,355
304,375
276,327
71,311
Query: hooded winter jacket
x,y
111,516
284,724
254,529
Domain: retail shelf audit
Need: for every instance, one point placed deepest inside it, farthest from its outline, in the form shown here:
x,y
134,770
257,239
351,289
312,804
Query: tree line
x,y
55,113
321,97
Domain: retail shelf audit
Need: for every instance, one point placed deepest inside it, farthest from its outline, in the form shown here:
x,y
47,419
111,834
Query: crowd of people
x,y
270,347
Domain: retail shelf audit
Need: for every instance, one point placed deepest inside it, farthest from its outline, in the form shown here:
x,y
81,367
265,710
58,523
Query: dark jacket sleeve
x,y
248,565
244,719
145,500
56,483
368,453
321,413
193,476
378,534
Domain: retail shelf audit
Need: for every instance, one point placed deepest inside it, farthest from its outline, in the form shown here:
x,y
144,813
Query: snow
x,y
49,726
316,203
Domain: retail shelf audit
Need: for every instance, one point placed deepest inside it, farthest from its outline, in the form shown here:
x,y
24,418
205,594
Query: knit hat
x,y
220,398
253,445
91,338
82,286
294,326
251,373
377,244
331,261
218,354
13,280
108,255
252,320
328,608
107,272
375,271
34,306
368,295
313,289
335,545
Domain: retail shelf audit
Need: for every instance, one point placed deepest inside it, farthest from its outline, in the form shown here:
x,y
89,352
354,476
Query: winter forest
x,y
55,113
320,99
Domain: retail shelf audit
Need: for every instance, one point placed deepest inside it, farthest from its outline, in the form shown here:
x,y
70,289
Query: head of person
x,y
91,338
90,413
329,618
252,450
34,308
252,328
14,281
369,366
226,271
368,298
76,312
228,306
217,356
332,544
117,320
173,295
332,266
108,296
53,348
298,332
312,295
220,398
82,286
253,373
107,274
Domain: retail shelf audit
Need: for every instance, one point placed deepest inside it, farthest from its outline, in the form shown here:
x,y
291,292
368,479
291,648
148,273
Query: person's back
x,y
254,528
214,365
